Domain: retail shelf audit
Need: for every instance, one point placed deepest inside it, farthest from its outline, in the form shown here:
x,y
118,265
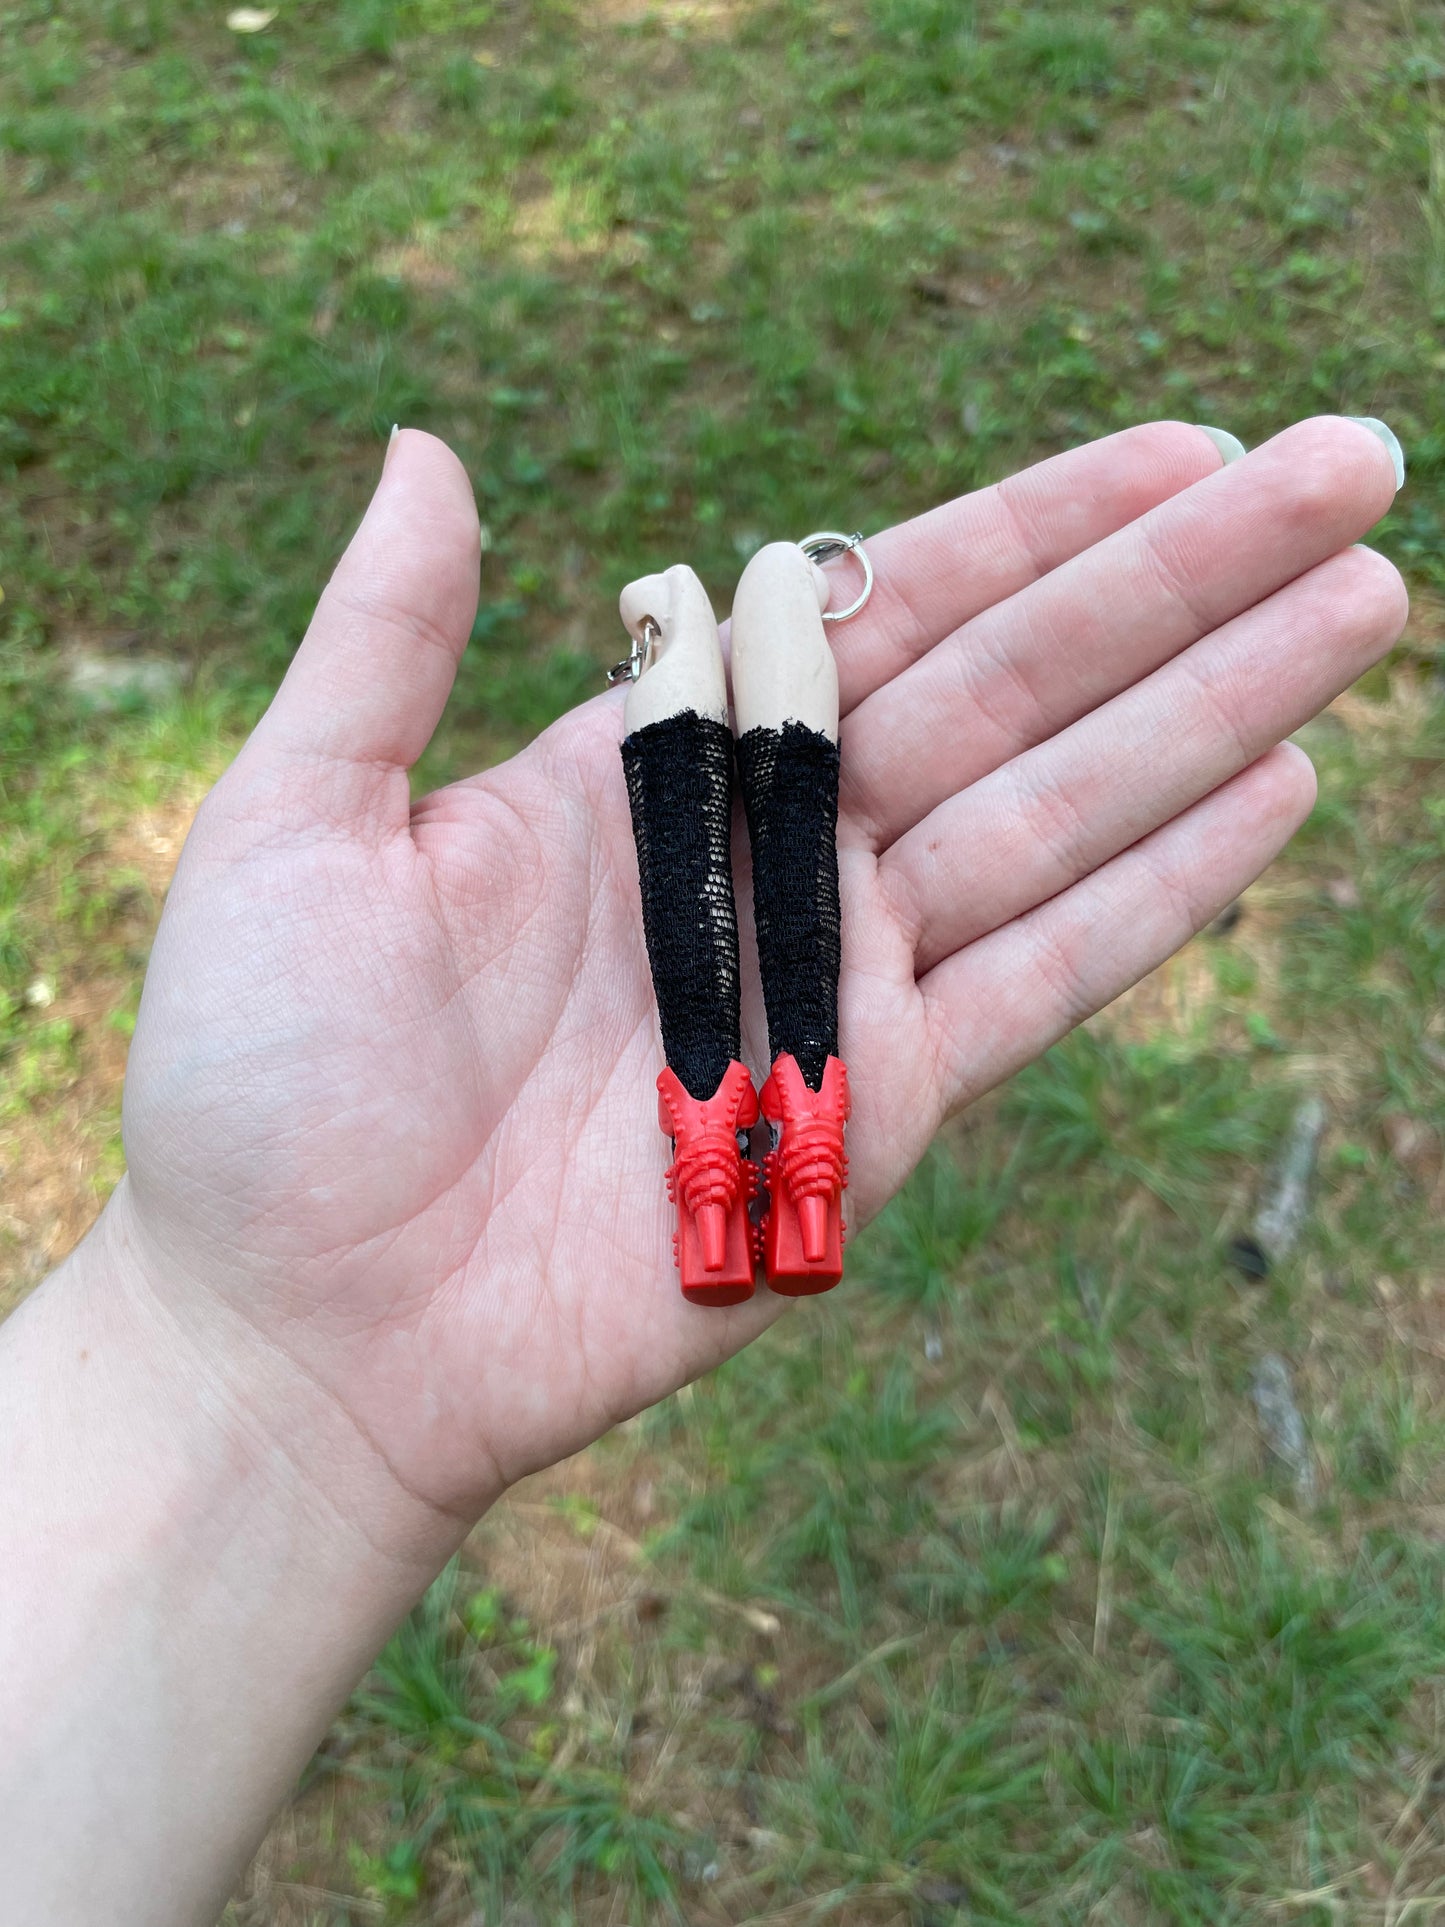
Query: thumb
x,y
367,687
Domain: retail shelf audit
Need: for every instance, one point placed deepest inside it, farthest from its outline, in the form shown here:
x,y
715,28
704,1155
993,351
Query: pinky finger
x,y
996,1005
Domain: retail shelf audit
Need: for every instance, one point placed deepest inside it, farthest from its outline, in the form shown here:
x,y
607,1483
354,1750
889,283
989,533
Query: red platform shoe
x,y
805,1174
712,1185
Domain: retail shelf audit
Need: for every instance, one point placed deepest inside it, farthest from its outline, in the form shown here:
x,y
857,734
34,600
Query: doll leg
x,y
677,757
785,690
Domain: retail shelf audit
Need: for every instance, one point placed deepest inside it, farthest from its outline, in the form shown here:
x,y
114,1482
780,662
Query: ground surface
x,y
974,1594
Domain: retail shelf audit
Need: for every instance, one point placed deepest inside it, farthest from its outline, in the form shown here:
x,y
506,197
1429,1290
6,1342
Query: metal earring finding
x,y
633,664
823,547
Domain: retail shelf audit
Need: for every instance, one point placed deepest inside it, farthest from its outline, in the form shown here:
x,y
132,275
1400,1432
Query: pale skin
x,y
393,1232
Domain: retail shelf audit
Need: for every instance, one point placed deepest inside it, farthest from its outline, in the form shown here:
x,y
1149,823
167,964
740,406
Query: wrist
x,y
200,1562
215,1391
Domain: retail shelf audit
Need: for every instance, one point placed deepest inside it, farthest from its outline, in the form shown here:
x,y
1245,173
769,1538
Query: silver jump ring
x,y
631,665
823,547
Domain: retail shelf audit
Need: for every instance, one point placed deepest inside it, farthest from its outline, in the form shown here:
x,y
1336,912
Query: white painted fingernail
x,y
1229,446
1384,433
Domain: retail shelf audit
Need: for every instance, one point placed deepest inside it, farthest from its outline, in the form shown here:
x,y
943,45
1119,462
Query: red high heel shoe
x,y
806,1174
712,1185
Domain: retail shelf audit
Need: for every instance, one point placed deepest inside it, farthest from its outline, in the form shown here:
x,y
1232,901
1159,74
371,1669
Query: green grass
x,y
971,1596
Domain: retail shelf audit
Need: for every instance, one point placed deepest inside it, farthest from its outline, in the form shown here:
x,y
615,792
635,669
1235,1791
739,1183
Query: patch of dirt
x,y
720,17
56,1161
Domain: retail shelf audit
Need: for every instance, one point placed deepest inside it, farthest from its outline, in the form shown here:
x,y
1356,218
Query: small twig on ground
x,y
844,1680
996,1406
1285,1205
1104,1591
1282,1425
761,1622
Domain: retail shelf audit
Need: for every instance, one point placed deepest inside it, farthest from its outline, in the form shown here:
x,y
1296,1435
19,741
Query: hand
x,y
394,1230
390,1118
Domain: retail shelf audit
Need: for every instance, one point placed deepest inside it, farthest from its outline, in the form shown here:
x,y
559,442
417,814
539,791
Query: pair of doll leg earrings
x,y
678,757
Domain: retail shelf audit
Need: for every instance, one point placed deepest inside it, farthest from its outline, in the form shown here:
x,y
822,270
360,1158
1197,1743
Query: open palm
x,y
390,1118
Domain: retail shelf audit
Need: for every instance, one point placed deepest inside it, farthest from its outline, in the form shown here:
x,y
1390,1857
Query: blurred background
x,y
1081,1561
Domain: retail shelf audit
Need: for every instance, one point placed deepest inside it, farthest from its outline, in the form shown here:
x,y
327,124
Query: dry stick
x,y
996,1406
350,1903
1104,1589
761,1622
834,1687
1278,1222
1304,1897
1282,1212
1283,1428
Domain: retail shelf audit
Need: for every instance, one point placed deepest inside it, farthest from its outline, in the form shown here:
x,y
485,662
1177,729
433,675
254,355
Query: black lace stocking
x,y
790,791
679,783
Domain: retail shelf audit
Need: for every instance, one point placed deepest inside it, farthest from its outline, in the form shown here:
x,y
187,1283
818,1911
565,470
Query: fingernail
x,y
1229,446
1384,433
390,445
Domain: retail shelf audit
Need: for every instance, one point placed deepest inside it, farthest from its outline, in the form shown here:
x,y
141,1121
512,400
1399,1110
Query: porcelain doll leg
x,y
785,694
677,757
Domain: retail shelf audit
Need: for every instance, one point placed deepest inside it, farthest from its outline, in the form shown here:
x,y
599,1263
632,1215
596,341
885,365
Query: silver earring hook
x,y
632,664
823,547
